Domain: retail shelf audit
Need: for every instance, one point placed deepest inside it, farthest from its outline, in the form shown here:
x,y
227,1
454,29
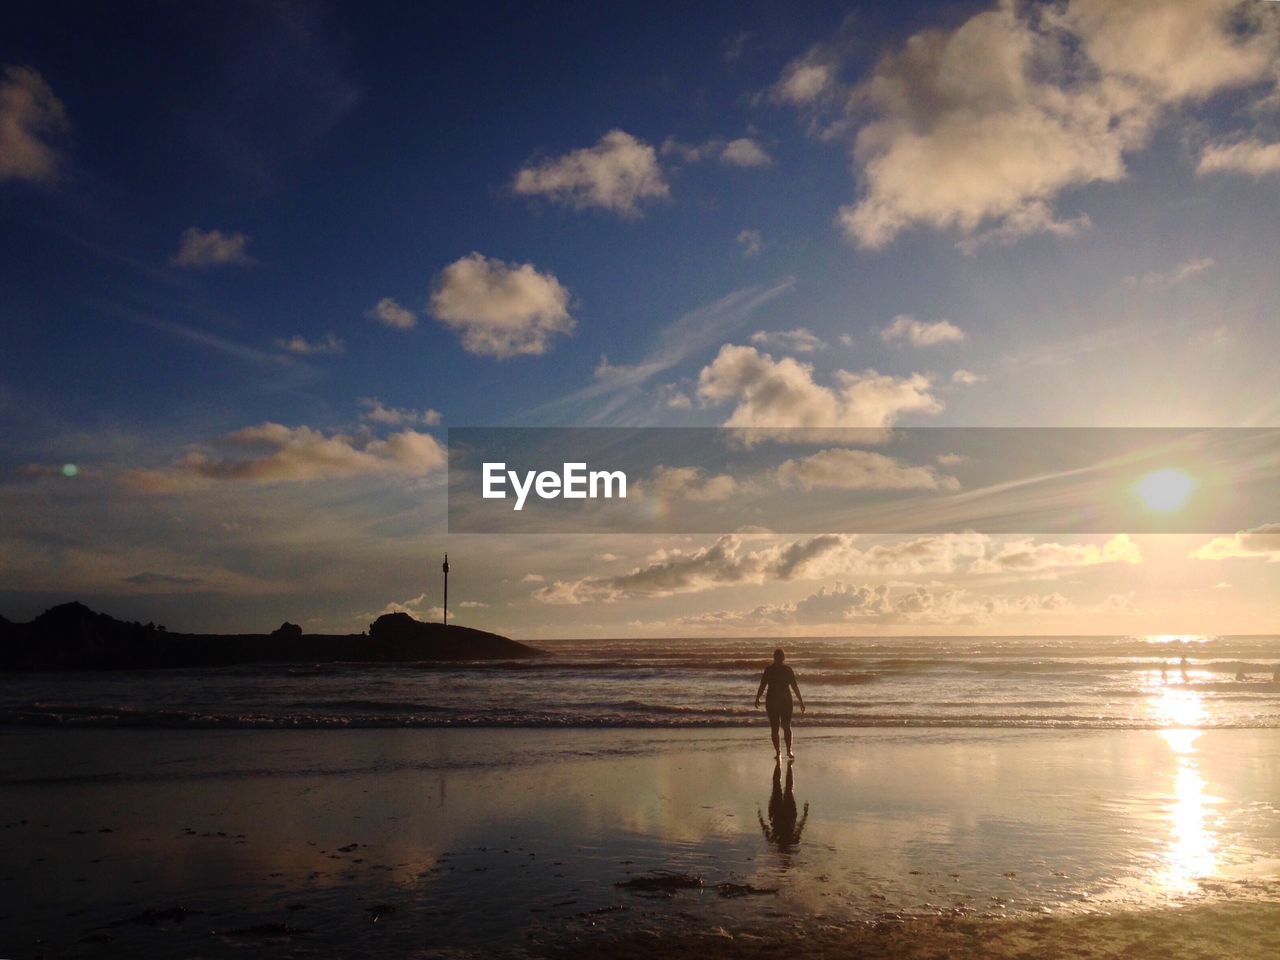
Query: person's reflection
x,y
785,825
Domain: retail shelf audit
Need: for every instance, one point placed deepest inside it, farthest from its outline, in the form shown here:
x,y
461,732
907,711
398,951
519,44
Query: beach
x,y
494,842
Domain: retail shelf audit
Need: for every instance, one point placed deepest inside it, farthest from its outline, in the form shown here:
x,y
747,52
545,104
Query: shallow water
x,y
486,840
1058,682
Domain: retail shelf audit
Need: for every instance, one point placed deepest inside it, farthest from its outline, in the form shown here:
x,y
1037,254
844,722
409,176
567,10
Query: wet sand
x,y
515,842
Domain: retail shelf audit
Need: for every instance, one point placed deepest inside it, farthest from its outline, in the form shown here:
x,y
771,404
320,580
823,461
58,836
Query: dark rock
x,y
73,637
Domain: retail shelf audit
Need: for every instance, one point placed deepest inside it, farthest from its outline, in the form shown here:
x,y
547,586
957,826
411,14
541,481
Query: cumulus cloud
x,y
807,79
1258,543
770,394
616,174
375,412
885,604
30,117
751,242
300,345
967,378
745,152
1251,157
1027,556
211,248
274,453
844,469
799,340
691,484
980,129
389,313
669,572
1169,278
500,309
730,560
919,333
734,559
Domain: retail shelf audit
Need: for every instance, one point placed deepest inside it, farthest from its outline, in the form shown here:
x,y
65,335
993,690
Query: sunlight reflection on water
x,y
1191,853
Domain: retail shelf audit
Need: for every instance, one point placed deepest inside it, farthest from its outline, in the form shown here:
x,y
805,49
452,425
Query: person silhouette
x,y
785,824
780,680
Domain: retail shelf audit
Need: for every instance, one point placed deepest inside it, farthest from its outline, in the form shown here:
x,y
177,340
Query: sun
x,y
1165,490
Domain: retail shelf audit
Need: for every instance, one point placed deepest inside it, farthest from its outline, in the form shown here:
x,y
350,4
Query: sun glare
x,y
1165,490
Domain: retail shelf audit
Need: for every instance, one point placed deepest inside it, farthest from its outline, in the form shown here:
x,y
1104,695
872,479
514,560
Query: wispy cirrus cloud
x,y
1174,276
298,344
799,340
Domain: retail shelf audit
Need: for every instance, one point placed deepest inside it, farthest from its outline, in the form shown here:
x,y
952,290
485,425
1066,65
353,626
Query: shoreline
x,y
1226,930
520,842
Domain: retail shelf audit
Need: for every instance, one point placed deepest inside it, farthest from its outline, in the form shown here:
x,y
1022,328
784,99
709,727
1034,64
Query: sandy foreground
x,y
619,843
1222,930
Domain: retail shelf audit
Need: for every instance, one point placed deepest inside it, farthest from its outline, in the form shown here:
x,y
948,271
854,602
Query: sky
x,y
256,259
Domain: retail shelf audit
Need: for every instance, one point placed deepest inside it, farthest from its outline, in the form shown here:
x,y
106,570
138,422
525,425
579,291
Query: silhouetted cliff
x,y
73,637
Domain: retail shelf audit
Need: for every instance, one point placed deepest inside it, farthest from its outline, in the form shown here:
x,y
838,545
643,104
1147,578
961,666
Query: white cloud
x,y
980,129
274,453
745,152
691,484
844,469
885,604
1027,556
799,340
846,340
300,345
376,412
499,309
967,378
751,241
669,572
1169,278
616,174
416,607
782,393
921,334
211,248
389,313
533,578
806,79
30,116
1251,157
1260,542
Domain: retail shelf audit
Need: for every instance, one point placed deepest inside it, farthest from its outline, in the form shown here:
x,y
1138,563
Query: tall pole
x,y
445,568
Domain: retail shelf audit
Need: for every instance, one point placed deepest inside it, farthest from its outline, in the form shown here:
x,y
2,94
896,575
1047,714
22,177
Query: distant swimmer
x,y
780,680
1183,664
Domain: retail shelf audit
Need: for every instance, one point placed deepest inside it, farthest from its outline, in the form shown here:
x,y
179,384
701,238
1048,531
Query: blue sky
x,y
964,214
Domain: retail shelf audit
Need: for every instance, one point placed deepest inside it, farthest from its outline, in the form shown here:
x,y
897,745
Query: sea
x,y
1068,682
